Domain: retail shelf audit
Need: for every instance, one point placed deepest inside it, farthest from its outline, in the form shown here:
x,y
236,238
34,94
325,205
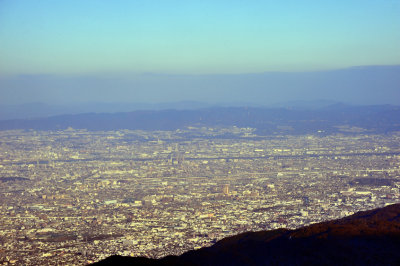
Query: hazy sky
x,y
82,39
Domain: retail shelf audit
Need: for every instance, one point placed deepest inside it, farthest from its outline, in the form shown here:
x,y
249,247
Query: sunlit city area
x,y
75,197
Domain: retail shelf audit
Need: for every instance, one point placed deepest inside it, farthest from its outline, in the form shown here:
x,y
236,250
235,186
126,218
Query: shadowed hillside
x,y
365,238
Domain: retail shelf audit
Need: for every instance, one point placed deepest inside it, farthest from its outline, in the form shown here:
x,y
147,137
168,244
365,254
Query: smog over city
x,y
199,132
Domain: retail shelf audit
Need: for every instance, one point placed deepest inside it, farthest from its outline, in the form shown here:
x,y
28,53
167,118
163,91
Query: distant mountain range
x,y
337,118
40,110
365,238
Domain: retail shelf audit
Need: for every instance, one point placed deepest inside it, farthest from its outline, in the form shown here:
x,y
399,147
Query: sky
x,y
48,48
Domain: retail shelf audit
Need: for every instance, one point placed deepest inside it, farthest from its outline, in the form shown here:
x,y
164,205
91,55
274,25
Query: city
x,y
199,132
76,196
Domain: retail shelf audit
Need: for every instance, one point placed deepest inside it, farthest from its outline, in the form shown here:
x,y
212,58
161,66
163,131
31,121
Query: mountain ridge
x,y
333,119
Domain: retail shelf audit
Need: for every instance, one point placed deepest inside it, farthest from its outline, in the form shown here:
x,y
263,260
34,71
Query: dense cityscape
x,y
76,197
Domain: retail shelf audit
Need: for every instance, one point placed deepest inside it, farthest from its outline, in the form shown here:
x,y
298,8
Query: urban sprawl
x,y
75,197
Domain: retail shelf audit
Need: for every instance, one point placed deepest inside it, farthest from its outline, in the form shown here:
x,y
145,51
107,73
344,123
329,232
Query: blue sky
x,y
113,38
168,36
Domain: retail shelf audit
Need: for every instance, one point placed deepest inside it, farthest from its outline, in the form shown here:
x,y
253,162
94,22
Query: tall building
x,y
225,190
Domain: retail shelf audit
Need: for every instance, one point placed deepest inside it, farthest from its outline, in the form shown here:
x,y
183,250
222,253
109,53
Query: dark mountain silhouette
x,y
365,238
331,119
